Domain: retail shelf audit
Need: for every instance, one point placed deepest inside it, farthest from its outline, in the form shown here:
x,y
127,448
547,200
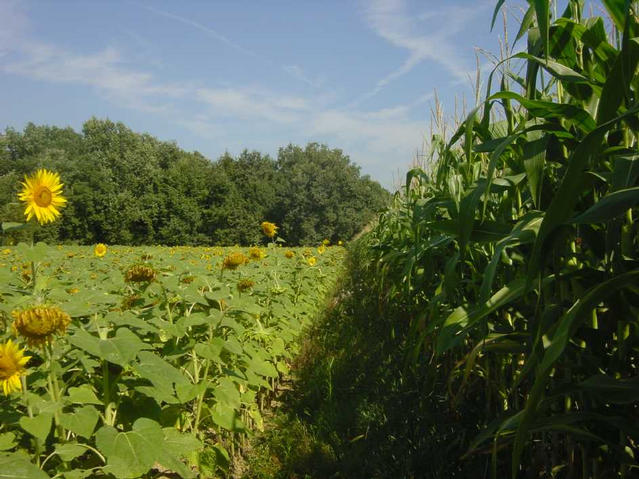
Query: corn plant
x,y
517,250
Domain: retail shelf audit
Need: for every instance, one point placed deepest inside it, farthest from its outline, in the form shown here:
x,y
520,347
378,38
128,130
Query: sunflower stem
x,y
106,386
200,399
55,393
36,454
33,272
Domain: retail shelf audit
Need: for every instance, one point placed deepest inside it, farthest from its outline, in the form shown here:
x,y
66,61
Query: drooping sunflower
x,y
139,273
244,285
38,324
269,229
42,194
100,250
12,362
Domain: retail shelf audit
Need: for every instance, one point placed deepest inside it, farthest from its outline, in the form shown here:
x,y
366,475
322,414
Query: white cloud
x,y
251,103
429,36
297,72
294,71
203,28
103,70
378,134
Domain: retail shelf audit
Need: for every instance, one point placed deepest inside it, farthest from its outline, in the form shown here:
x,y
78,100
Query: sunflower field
x,y
136,362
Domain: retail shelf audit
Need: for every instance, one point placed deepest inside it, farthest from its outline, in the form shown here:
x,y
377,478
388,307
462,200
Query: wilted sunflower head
x,y
245,284
139,273
130,301
234,260
42,194
38,324
255,252
12,366
100,250
269,229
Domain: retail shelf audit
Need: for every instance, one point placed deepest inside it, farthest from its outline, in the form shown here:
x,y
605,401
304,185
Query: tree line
x,y
129,188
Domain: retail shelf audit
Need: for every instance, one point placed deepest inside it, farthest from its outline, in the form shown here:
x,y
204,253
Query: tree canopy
x,y
129,188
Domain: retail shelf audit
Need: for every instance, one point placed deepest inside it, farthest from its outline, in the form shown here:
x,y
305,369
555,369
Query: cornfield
x,y
515,253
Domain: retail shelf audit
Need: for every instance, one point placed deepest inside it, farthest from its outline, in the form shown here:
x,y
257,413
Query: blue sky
x,y
221,76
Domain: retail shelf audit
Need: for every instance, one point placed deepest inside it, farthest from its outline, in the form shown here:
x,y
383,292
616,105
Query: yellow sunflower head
x,y
255,252
312,261
326,242
100,250
42,194
321,249
12,362
289,253
234,260
39,324
269,229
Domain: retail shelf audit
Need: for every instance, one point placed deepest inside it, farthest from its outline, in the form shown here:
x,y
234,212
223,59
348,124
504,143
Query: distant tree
x,y
249,197
321,195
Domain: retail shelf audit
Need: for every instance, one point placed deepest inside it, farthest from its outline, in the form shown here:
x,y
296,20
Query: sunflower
x,y
38,324
269,229
289,253
244,285
12,362
312,261
139,273
42,194
321,249
255,252
100,250
233,260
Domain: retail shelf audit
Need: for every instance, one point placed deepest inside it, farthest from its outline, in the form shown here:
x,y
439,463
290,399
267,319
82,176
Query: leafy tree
x,y
129,188
321,195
